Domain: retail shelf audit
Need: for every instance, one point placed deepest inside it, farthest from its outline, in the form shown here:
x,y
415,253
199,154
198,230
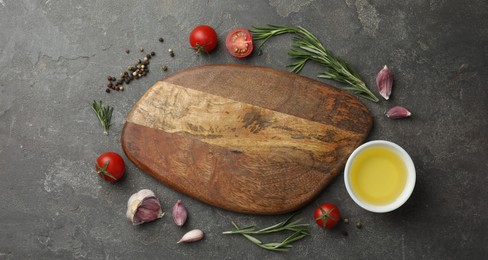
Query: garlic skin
x,y
143,206
384,82
398,112
192,236
180,213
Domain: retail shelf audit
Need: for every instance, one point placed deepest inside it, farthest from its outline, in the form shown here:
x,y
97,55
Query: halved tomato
x,y
239,43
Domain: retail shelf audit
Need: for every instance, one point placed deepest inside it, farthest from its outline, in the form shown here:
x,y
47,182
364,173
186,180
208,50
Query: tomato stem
x,y
325,216
200,48
103,171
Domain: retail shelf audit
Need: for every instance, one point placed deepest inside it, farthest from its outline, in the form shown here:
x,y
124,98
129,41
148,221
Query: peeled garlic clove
x,y
179,213
398,112
192,236
384,82
143,206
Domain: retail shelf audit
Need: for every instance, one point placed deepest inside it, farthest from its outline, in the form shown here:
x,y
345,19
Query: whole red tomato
x,y
327,215
239,43
203,38
110,166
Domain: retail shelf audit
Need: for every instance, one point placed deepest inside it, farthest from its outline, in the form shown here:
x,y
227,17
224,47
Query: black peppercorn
x,y
110,78
153,53
148,56
141,49
127,51
161,40
359,225
109,85
107,90
164,68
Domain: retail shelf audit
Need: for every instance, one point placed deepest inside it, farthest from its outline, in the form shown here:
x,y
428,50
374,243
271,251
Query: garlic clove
x,y
384,82
398,112
143,206
180,213
192,236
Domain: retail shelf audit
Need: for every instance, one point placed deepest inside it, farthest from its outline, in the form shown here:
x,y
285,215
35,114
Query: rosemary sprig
x,y
104,115
306,47
299,230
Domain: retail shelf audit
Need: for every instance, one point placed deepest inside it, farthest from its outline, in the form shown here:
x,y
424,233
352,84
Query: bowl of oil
x,y
379,176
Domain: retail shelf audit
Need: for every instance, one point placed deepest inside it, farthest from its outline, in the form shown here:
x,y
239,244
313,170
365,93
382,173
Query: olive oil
x,y
378,175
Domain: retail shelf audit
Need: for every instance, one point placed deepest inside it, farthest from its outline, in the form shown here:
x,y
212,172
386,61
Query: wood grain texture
x,y
248,139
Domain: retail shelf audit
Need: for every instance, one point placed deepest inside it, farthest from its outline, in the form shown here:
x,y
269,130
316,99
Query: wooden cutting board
x,y
244,138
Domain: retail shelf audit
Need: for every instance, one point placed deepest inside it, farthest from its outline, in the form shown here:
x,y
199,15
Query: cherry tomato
x,y
110,166
327,215
239,43
203,38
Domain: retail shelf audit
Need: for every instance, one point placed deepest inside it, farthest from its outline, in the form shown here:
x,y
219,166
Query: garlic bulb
x,y
143,206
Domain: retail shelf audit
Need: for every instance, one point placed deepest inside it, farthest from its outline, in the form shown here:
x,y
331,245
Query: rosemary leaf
x,y
300,230
104,115
307,47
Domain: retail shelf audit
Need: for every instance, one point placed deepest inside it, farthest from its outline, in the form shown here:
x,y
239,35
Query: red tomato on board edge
x,y
239,43
327,215
203,38
110,166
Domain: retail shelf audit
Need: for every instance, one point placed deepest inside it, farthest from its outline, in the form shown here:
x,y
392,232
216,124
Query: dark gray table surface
x,y
54,59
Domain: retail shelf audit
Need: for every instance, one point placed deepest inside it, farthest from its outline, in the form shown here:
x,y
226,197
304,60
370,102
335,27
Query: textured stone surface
x,y
55,56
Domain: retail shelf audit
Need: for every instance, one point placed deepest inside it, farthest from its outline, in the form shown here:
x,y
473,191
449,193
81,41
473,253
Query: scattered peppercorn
x,y
171,53
161,39
135,71
359,225
127,51
141,49
346,221
164,68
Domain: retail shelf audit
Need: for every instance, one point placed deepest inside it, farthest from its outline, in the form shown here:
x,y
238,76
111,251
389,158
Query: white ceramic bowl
x,y
409,185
